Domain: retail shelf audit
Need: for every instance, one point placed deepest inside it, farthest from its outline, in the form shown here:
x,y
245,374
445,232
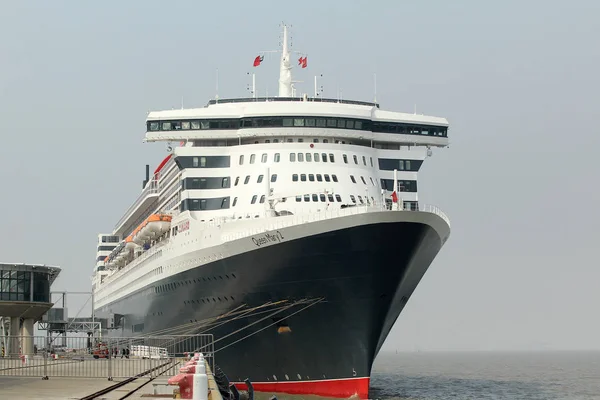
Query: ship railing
x,y
135,263
312,216
152,187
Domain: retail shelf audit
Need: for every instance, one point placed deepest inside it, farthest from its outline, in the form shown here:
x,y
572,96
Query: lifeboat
x,y
158,224
154,226
129,243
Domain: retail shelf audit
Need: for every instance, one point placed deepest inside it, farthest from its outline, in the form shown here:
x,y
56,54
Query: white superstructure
x,y
248,173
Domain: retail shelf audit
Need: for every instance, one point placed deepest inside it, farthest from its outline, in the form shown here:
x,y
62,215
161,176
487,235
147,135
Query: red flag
x,y
304,63
394,197
257,61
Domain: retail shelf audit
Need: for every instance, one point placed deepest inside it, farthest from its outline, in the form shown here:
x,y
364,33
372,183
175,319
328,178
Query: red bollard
x,y
185,383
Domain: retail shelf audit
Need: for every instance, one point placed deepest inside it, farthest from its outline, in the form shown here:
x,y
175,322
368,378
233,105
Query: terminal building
x,y
24,299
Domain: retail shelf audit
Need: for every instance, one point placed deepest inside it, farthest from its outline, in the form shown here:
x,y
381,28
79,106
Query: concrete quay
x,y
77,378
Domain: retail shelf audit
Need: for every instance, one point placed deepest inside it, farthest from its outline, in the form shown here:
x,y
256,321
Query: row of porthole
x,y
207,300
189,282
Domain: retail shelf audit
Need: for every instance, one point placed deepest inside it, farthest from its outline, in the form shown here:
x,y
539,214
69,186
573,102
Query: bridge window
x,y
204,204
388,164
184,162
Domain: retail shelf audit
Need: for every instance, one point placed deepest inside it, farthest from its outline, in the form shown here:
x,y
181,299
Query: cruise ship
x,y
289,227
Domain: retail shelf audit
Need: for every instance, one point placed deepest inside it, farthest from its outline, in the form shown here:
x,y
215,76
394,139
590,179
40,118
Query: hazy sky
x,y
518,81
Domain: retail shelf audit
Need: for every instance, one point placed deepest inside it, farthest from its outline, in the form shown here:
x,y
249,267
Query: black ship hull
x,y
355,282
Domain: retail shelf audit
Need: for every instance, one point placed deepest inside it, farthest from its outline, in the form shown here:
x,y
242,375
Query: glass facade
x,y
16,286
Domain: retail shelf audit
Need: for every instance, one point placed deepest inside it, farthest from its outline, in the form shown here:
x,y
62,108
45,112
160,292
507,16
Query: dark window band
x,y
403,185
217,203
206,183
389,164
184,162
298,122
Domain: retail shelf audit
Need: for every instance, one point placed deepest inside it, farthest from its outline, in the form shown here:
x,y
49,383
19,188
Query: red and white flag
x,y
303,62
258,60
394,197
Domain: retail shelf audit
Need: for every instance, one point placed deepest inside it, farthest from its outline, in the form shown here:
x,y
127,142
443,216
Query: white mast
x,y
285,69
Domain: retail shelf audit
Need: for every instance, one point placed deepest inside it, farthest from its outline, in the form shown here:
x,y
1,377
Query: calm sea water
x,y
510,376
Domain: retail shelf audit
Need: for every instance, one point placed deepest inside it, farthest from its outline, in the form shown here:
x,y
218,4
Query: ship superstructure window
x,y
363,179
403,185
316,157
326,178
253,199
110,239
308,157
252,158
352,179
262,199
334,177
274,178
355,159
299,121
303,177
205,183
331,159
260,179
371,158
241,160
295,178
292,157
345,157
338,198
319,178
247,179
234,202
353,199
311,177
263,158
277,157
300,157
204,204
237,180
364,160
202,162
388,164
